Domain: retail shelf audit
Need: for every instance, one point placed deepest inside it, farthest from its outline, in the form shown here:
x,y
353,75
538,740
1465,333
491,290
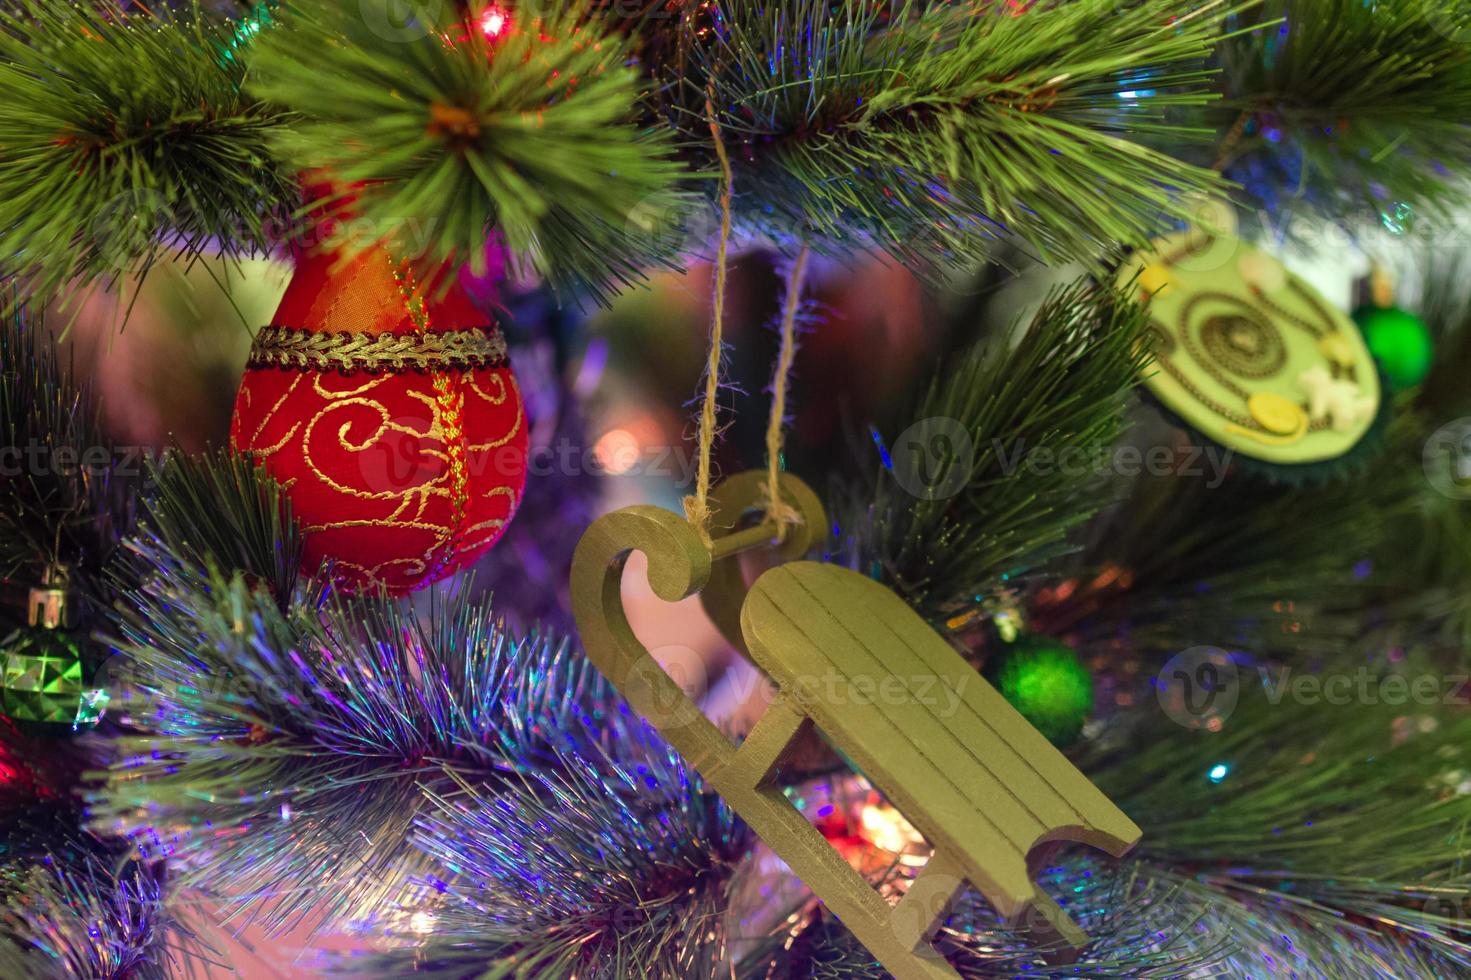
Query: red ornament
x,y
387,410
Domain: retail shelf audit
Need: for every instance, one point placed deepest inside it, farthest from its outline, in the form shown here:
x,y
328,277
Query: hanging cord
x,y
697,506
777,510
1226,154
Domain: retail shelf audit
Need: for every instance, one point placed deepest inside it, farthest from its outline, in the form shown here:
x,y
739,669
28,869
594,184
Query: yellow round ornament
x,y
1251,356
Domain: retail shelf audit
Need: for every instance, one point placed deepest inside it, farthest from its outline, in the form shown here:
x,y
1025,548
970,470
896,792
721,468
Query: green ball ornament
x,y
1047,683
1400,341
42,688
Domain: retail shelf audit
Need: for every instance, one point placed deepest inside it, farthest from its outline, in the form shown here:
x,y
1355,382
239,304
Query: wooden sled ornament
x,y
990,794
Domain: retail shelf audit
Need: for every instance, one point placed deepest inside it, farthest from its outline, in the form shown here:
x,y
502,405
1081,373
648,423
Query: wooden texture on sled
x,y
989,793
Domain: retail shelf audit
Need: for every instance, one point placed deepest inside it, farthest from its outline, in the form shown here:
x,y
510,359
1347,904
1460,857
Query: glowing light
x,y
885,828
1008,624
1218,773
422,922
617,451
493,22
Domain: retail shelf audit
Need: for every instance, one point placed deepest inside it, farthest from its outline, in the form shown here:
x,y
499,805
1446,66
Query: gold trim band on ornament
x,y
348,353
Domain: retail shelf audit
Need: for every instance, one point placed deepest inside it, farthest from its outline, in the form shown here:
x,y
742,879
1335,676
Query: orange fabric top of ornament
x,y
366,294
344,285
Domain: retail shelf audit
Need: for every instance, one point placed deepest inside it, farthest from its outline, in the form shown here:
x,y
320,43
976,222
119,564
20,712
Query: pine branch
x,y
1277,570
1423,562
221,512
300,738
627,873
72,905
930,130
1140,923
67,494
1350,107
310,740
1334,786
1062,388
1152,922
531,132
124,138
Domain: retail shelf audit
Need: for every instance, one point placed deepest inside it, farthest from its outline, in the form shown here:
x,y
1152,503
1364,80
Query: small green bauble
x,y
1047,683
1400,342
42,688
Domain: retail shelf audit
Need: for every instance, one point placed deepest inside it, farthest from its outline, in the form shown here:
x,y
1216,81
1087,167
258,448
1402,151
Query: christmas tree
x,y
1083,591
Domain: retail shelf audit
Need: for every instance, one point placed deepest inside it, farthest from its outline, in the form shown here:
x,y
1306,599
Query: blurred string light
x,y
886,828
617,451
1398,219
493,22
246,29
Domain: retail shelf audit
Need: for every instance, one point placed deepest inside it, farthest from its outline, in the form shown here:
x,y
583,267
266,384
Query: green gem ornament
x,y
1047,683
1400,342
43,682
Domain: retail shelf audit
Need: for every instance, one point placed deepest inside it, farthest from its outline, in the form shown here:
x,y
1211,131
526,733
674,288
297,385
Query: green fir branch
x,y
1349,106
532,133
1062,389
1347,772
1424,560
70,495
124,138
931,130
1270,568
221,511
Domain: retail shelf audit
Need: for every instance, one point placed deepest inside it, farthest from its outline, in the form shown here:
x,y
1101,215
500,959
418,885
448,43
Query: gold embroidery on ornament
x,y
264,451
371,575
450,350
451,415
271,414
481,447
319,388
386,424
500,383
375,522
495,523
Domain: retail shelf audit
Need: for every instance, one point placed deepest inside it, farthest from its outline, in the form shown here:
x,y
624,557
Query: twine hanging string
x,y
777,509
697,506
